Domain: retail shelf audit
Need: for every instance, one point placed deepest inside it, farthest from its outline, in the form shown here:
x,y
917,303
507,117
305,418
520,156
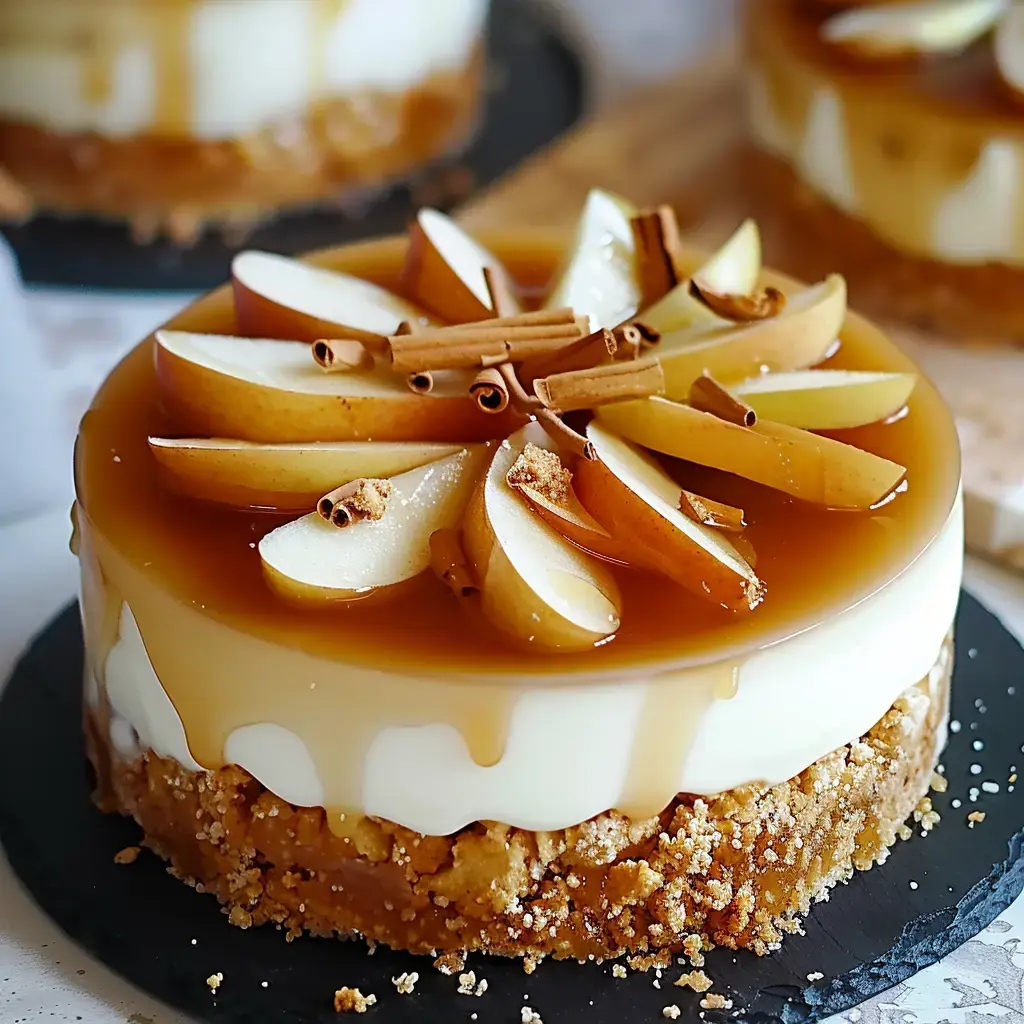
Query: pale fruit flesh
x,y
309,561
732,270
444,270
278,297
817,469
801,336
288,477
826,399
638,503
534,584
264,390
599,276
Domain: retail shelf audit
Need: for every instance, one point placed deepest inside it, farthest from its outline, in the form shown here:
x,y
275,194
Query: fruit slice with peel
x,y
260,390
287,477
732,270
444,271
599,276
309,561
826,399
278,297
808,466
914,26
534,584
638,502
800,336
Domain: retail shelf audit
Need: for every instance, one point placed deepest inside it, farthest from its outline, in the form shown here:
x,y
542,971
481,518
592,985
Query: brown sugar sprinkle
x,y
542,471
650,961
351,1000
697,980
360,499
129,855
450,963
693,947
975,818
740,308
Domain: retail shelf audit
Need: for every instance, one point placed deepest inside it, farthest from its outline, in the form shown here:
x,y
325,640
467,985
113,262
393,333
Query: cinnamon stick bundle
x,y
656,237
707,395
615,382
365,498
338,355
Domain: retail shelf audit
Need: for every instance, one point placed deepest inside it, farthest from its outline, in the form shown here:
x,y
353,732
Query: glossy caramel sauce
x,y
913,130
229,653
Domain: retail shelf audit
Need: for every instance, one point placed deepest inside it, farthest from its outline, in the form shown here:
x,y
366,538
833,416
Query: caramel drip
x,y
674,706
169,30
100,606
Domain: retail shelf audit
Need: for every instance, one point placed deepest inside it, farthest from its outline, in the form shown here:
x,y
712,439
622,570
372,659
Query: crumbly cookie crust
x,y
738,869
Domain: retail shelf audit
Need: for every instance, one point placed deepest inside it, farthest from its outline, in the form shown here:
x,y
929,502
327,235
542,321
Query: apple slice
x,y
817,469
638,502
260,390
826,399
535,585
278,297
916,26
311,561
444,271
286,477
800,336
732,270
599,275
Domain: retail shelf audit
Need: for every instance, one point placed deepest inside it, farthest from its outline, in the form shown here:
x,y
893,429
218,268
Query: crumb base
x,y
737,870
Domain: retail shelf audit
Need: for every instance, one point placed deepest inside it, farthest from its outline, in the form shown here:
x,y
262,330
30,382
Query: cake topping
x,y
354,501
708,368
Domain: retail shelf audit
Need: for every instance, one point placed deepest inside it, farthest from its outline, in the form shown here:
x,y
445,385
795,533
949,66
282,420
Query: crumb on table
x,y
351,1000
214,981
129,855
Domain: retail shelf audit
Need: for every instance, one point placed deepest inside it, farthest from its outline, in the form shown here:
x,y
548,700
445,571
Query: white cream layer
x,y
979,219
251,62
569,748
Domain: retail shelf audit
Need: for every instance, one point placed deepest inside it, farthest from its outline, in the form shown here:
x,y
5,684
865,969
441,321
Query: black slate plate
x,y
535,93
874,932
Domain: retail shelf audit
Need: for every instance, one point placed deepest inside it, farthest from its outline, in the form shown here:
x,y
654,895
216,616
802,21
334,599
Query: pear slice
x,y
638,502
817,469
826,399
309,561
444,271
599,275
286,477
534,584
800,336
261,390
732,270
917,26
1009,47
278,297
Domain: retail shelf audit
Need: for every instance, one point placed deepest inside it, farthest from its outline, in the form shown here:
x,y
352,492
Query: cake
x,y
174,114
889,142
498,594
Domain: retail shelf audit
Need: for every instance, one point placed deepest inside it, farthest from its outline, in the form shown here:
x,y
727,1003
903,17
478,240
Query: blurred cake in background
x,y
890,139
175,114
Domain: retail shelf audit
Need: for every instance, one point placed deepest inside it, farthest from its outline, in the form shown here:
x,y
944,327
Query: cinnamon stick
x,y
364,498
449,564
711,513
489,391
521,401
503,302
649,336
561,317
422,382
629,341
707,395
594,350
740,308
337,355
656,237
615,382
564,436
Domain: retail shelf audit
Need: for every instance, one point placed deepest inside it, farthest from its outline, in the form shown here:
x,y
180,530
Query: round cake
x,y
890,147
173,114
485,594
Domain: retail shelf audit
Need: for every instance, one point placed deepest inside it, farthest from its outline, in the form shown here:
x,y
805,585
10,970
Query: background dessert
x,y
449,723
176,114
888,139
